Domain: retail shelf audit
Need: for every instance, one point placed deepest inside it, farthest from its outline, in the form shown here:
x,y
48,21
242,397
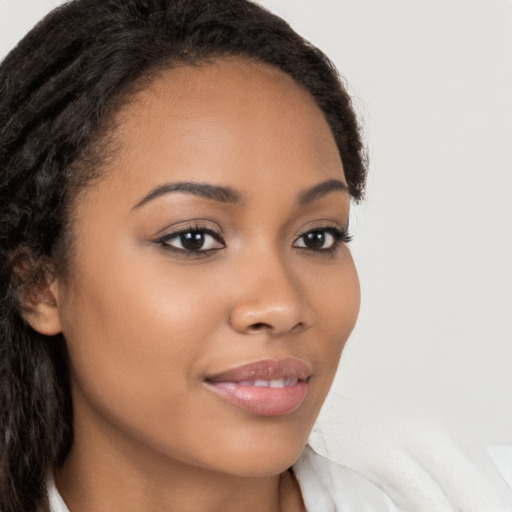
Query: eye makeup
x,y
198,239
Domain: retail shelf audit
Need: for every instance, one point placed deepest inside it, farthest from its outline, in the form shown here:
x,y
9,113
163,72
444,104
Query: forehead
x,y
229,122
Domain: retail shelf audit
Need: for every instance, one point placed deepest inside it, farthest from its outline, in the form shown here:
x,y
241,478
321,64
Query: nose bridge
x,y
270,297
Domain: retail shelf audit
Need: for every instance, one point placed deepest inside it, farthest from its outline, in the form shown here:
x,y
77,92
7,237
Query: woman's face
x,y
210,291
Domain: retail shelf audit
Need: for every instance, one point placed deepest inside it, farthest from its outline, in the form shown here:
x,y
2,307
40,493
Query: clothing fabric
x,y
55,499
327,486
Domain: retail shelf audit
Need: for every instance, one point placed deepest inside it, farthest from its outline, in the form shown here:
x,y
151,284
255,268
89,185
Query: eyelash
x,y
165,240
339,235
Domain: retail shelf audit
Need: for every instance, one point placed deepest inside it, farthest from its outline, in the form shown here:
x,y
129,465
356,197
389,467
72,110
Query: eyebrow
x,y
229,195
213,192
309,195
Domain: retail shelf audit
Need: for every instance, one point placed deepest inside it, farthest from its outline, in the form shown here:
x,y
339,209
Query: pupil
x,y
315,240
192,241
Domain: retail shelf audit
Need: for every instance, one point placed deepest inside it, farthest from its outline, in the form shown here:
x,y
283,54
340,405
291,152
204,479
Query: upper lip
x,y
266,369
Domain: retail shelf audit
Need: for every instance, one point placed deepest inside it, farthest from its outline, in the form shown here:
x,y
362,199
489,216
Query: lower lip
x,y
263,401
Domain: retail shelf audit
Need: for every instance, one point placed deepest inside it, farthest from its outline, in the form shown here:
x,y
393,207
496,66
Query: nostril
x,y
299,327
259,326
262,326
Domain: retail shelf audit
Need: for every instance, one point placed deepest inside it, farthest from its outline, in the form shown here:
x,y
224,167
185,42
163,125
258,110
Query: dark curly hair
x,y
59,91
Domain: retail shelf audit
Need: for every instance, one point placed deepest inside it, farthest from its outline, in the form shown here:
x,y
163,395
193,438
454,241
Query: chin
x,y
264,465
268,454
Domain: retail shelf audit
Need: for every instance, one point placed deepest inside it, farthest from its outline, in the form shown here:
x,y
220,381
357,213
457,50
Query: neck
x,y
111,474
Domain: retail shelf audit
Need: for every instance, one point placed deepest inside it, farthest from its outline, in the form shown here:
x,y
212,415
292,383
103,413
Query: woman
x,y
176,286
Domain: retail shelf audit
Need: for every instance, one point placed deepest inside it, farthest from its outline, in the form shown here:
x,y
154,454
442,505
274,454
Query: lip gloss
x,y
266,388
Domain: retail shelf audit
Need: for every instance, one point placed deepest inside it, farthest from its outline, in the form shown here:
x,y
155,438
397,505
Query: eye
x,y
192,241
322,239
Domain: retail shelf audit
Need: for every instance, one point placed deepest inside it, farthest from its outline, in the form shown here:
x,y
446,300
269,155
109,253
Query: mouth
x,y
265,388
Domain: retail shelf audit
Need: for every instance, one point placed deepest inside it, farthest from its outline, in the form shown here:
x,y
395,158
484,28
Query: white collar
x,y
55,499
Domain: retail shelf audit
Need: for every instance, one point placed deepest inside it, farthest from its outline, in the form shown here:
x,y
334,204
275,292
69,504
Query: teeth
x,y
277,383
274,383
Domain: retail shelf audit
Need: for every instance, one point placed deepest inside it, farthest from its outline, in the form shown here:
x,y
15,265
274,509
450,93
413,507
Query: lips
x,y
266,388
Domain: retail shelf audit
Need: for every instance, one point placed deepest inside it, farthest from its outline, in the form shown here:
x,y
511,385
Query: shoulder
x,y
327,486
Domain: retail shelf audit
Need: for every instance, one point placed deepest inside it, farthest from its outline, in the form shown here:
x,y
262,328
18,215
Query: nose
x,y
270,299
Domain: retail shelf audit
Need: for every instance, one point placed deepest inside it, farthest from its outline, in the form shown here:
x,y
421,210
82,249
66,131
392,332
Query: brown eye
x,y
192,241
317,240
322,239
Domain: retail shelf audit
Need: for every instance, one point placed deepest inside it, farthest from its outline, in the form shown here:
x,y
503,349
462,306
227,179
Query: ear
x,y
41,308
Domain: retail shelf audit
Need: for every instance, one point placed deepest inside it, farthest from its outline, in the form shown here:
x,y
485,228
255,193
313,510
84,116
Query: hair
x,y
59,90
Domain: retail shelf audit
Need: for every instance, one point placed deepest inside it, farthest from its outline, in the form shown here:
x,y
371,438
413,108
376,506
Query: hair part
x,y
59,91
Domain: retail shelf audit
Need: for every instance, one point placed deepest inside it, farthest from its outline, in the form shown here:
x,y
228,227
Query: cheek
x,y
132,324
136,333
337,299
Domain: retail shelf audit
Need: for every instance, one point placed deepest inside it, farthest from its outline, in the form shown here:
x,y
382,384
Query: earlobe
x,y
41,308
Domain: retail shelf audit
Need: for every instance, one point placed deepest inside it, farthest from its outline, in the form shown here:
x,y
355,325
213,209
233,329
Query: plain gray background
x,y
432,81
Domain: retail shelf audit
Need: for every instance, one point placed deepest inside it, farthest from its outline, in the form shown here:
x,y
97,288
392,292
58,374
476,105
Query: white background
x,y
432,81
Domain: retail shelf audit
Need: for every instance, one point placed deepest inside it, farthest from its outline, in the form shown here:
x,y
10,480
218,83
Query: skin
x,y
145,324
